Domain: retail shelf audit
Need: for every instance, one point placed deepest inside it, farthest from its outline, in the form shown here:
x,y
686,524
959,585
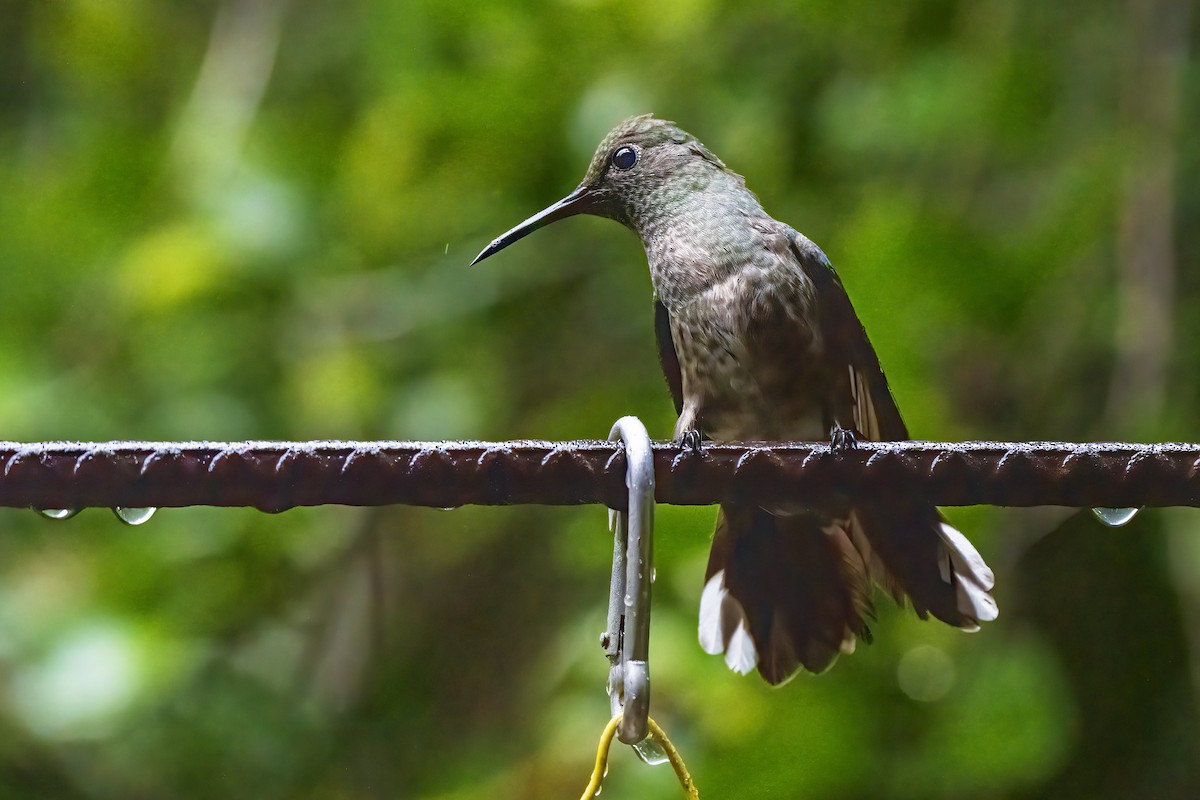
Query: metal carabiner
x,y
627,642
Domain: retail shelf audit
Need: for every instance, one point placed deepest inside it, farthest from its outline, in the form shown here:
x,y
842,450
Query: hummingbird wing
x,y
906,543
667,355
859,393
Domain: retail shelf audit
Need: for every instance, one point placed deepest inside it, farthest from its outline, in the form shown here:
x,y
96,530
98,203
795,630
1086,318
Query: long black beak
x,y
577,202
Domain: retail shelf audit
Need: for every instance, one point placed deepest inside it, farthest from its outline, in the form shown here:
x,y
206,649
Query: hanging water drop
x,y
57,513
1115,517
628,601
134,516
650,751
653,574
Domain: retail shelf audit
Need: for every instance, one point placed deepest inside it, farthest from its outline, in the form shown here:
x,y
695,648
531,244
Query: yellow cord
x,y
681,770
601,768
598,772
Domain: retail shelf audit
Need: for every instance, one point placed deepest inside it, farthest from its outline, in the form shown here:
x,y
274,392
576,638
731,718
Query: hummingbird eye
x,y
624,158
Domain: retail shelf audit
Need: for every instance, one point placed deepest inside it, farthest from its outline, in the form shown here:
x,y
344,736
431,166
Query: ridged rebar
x,y
274,476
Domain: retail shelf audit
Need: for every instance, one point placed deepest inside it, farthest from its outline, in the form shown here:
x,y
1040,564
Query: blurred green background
x,y
252,219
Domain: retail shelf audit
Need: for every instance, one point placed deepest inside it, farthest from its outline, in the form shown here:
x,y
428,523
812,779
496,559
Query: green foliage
x,y
247,219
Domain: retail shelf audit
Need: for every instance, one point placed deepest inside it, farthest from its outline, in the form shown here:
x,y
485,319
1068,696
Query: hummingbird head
x,y
641,167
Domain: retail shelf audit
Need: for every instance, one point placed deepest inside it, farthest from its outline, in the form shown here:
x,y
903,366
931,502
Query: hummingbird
x,y
758,341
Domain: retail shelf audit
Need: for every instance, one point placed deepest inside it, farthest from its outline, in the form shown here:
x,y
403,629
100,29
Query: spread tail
x,y
790,591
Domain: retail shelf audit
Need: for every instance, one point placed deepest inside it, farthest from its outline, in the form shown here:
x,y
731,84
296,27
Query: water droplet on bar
x,y
1115,517
57,513
134,516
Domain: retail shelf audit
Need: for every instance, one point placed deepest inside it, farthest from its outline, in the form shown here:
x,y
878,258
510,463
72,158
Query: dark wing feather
x,y
667,355
859,392
904,541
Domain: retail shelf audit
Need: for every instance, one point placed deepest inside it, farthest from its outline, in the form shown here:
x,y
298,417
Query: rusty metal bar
x,y
274,476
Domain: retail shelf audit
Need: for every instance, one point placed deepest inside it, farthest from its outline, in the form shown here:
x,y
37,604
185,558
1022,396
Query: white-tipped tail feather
x,y
722,620
741,655
973,580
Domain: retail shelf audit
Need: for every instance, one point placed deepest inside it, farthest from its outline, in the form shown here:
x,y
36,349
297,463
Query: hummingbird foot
x,y
691,441
842,440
